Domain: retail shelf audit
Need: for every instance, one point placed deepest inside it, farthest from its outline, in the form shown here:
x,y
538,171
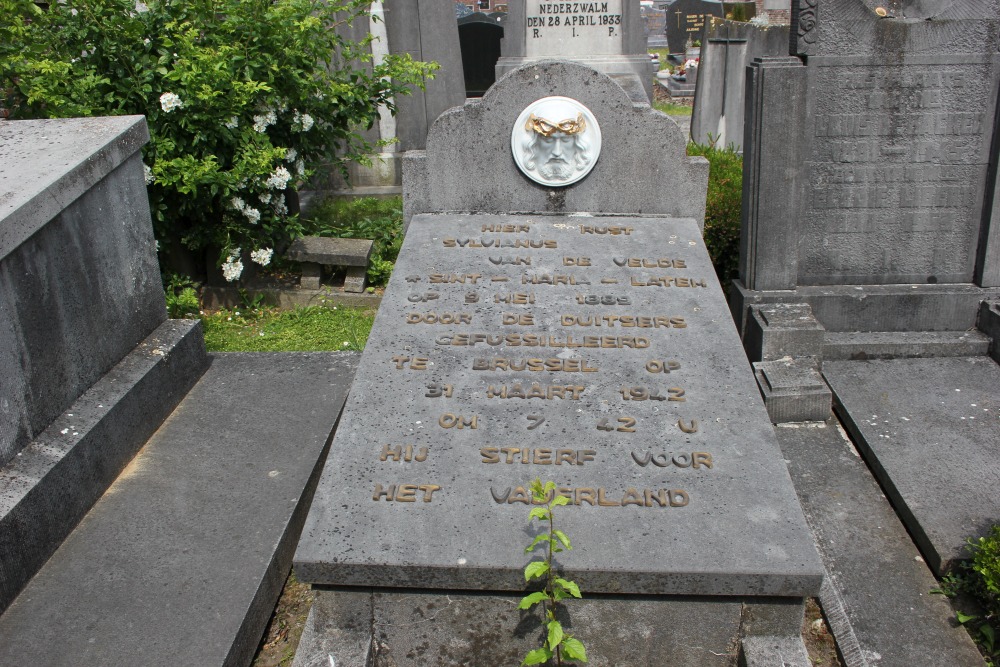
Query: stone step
x,y
876,596
930,431
181,561
859,345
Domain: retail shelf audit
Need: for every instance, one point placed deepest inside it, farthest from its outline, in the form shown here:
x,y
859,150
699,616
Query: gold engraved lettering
x,y
448,420
602,500
407,493
661,263
667,281
536,340
490,454
507,229
576,261
389,492
613,231
415,363
543,457
551,365
428,490
701,459
691,427
554,279
439,318
659,496
632,497
515,298
444,278
545,392
520,495
625,321
514,261
661,366
522,319
585,495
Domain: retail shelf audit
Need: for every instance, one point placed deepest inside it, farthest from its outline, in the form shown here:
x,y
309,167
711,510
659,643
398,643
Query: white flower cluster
x,y
303,119
279,205
262,256
148,174
300,167
291,154
169,102
761,19
232,268
233,123
265,198
279,179
261,122
252,214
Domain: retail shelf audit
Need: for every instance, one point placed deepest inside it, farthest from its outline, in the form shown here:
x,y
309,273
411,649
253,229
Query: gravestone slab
x,y
607,35
870,154
594,352
686,21
930,431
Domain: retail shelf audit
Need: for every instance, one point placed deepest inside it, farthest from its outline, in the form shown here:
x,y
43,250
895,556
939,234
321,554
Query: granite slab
x,y
182,560
594,352
930,431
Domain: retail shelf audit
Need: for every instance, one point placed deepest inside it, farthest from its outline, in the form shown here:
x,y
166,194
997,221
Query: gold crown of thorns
x,y
547,128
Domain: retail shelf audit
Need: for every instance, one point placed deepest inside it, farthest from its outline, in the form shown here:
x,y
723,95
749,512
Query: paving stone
x,y
877,593
181,561
930,430
860,345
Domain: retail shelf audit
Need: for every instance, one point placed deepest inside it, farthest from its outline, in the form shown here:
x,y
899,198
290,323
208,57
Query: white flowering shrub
x,y
244,100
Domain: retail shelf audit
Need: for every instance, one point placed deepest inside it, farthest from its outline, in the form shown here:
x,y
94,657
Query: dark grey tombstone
x,y
726,50
686,20
607,36
479,35
656,26
89,364
426,30
642,149
515,320
869,172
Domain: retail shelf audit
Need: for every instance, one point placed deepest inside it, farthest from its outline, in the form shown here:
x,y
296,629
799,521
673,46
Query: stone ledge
x,y
860,345
52,483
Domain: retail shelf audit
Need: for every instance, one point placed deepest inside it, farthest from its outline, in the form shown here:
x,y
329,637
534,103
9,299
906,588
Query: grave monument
x,y
549,326
608,36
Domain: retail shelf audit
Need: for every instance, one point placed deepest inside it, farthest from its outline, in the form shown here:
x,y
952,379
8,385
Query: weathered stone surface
x,y
180,563
331,252
989,323
607,36
52,483
627,179
793,390
771,651
726,51
876,595
783,330
75,234
929,429
875,307
855,345
604,331
361,627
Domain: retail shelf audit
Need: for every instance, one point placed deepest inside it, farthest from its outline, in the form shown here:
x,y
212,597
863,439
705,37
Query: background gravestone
x,y
870,167
425,29
686,20
480,36
608,36
726,50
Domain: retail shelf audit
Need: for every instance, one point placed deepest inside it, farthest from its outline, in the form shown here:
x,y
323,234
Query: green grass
x,y
673,109
311,329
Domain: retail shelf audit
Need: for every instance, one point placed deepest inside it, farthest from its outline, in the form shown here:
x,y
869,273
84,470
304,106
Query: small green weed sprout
x,y
980,578
557,644
182,296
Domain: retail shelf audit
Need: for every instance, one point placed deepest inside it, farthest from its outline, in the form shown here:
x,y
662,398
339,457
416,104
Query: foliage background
x,y
244,98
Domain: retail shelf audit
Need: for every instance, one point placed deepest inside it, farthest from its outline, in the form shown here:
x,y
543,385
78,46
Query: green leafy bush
x,y
244,99
380,220
182,296
722,208
980,577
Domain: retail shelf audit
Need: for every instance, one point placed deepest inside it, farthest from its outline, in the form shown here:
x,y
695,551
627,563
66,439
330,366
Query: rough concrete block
x,y
181,562
775,331
989,324
875,595
793,391
928,429
860,345
52,483
774,652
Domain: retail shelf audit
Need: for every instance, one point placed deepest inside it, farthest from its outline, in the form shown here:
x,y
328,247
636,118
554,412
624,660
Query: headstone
x,y
686,19
487,179
480,35
655,27
574,345
89,364
606,35
868,186
728,47
426,30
